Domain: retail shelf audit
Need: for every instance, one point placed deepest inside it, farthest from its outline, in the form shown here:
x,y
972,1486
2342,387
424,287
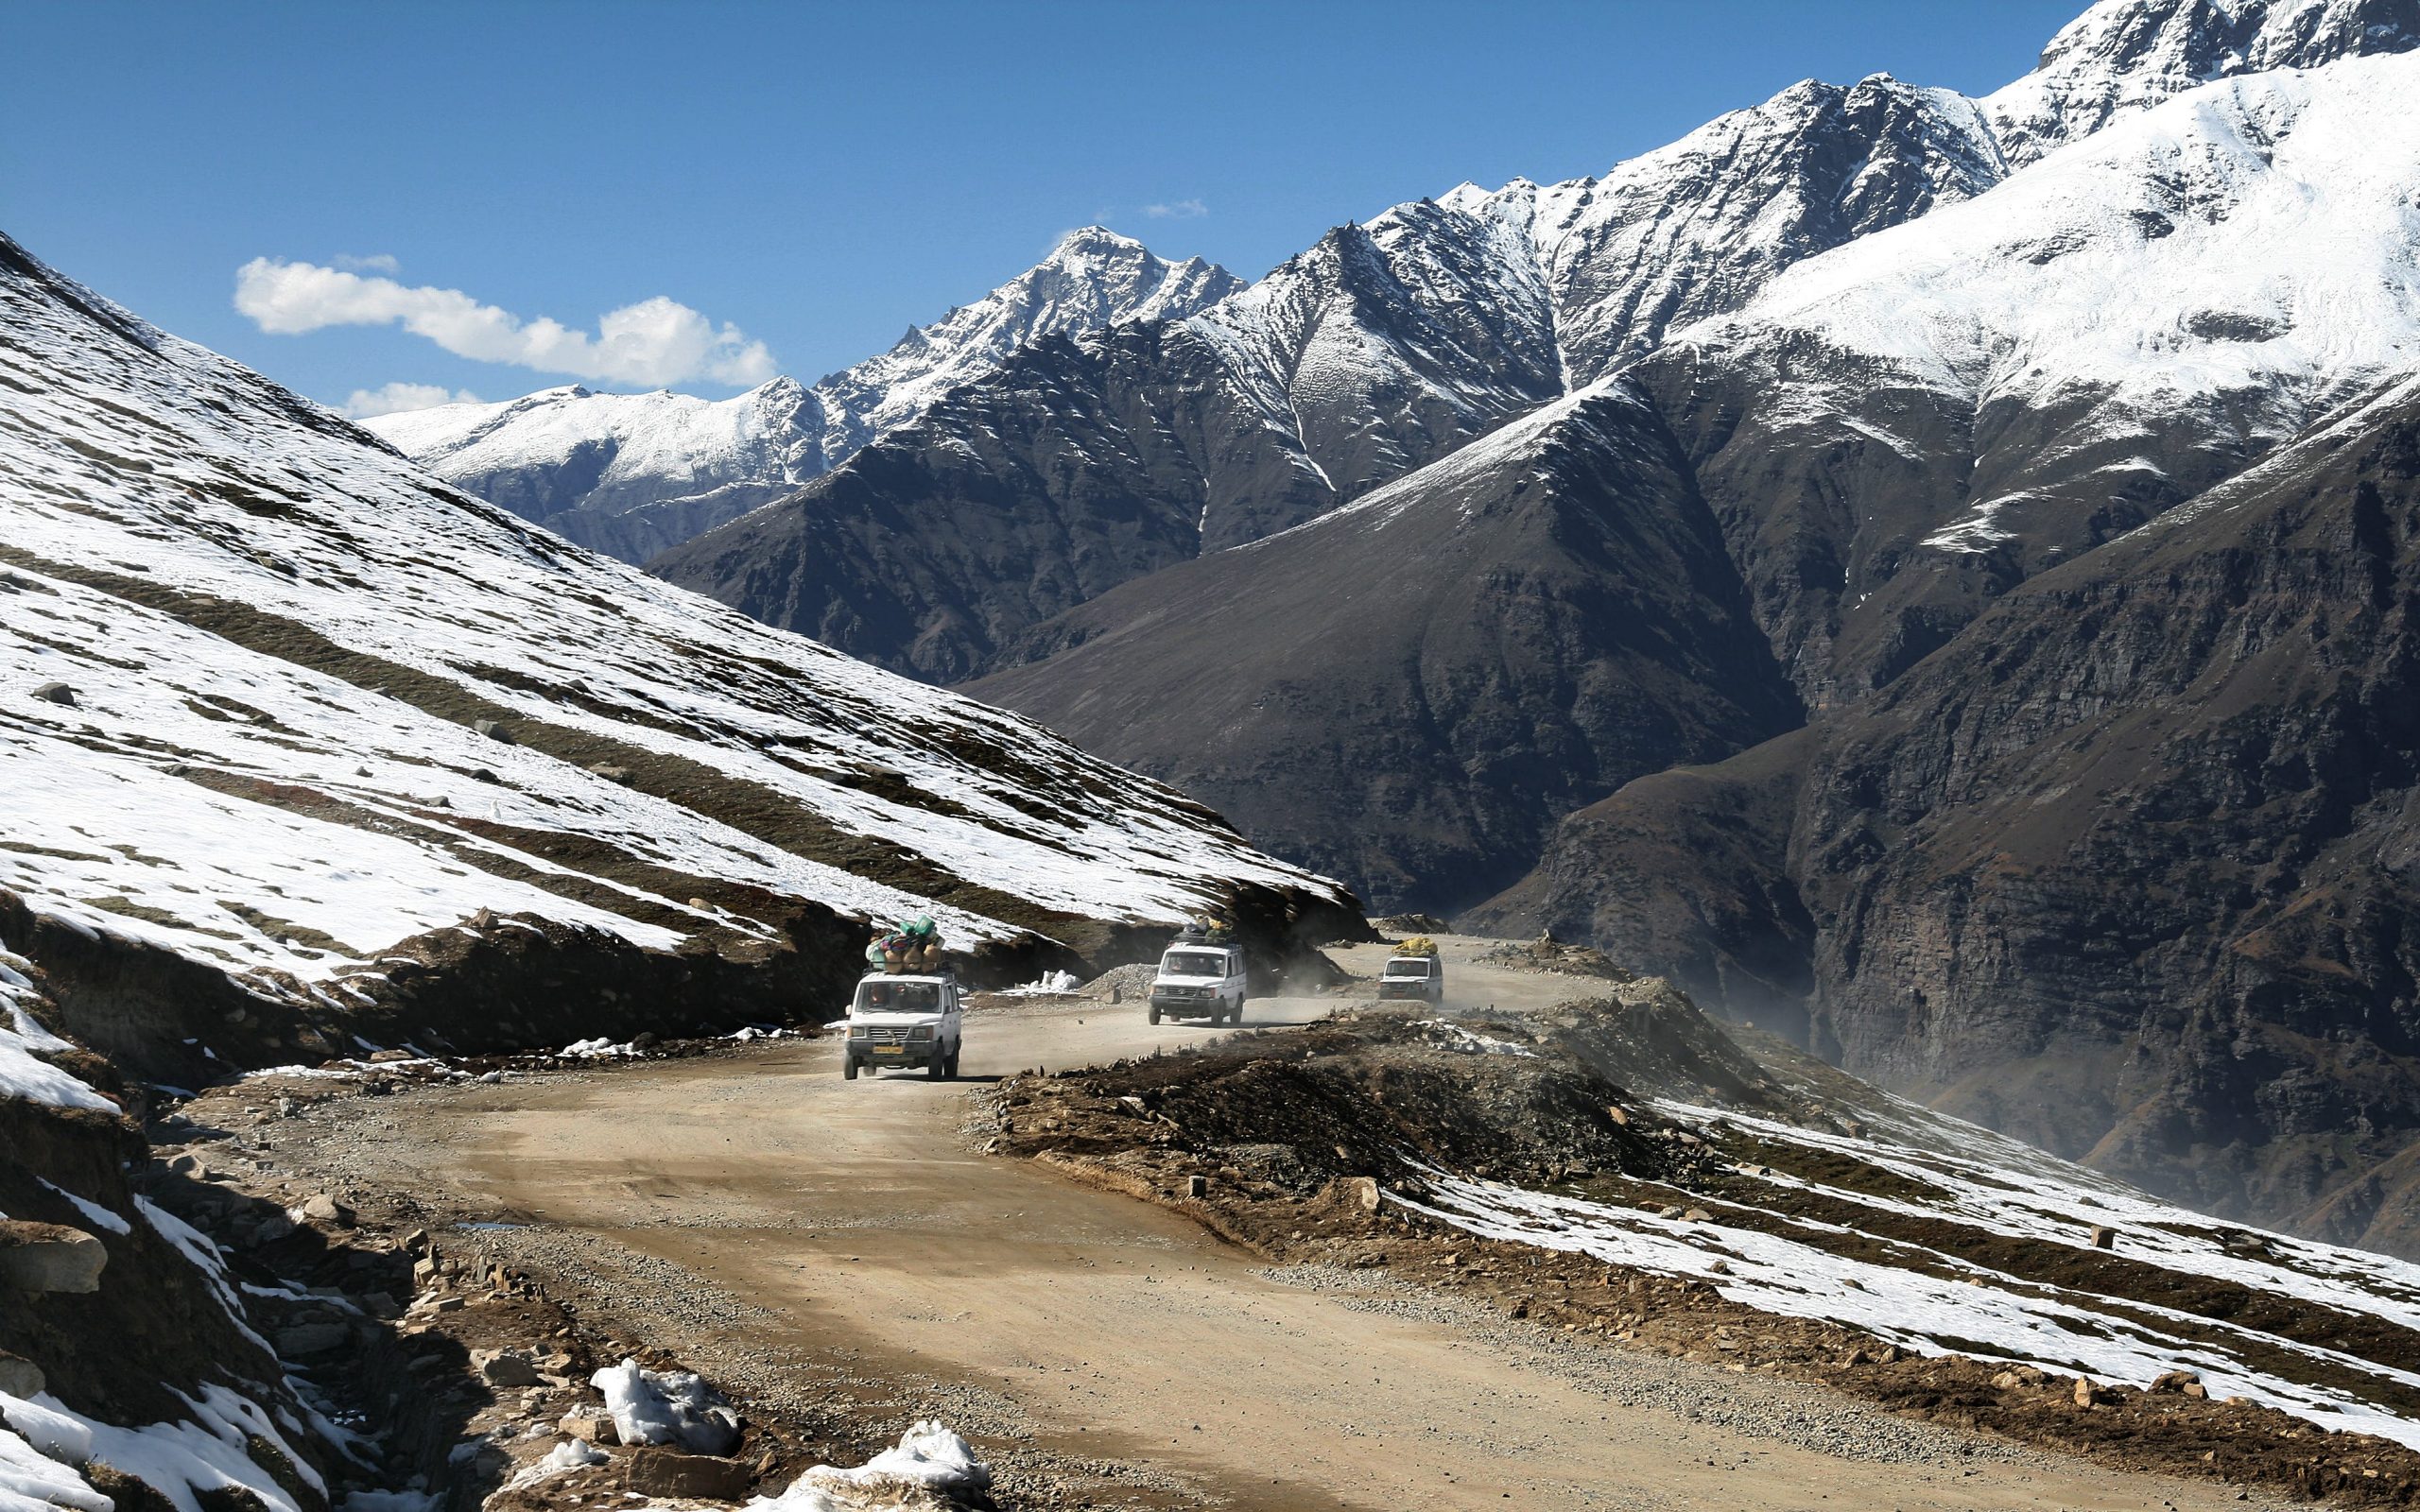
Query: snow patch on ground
x,y
1938,1303
23,1041
180,1460
667,1407
929,1460
1458,1038
1050,984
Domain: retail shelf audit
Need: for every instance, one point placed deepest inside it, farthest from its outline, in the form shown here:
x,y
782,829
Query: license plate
x,y
891,1050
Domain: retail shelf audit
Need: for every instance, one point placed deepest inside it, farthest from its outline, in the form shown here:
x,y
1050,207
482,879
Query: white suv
x,y
904,1021
1200,981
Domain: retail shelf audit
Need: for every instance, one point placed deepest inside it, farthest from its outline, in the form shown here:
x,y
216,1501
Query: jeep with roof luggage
x,y
912,1020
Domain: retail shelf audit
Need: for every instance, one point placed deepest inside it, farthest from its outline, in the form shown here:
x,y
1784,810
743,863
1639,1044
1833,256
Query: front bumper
x,y
892,1052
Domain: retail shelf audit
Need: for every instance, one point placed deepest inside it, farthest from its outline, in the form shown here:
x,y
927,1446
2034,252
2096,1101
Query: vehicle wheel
x,y
848,1068
952,1067
1236,1011
933,1067
1155,1013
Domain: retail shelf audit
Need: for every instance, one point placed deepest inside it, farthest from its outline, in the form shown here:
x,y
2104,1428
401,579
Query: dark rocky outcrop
x,y
1407,692
2127,869
1688,872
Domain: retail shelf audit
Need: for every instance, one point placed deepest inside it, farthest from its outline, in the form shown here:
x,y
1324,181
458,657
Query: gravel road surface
x,y
777,1222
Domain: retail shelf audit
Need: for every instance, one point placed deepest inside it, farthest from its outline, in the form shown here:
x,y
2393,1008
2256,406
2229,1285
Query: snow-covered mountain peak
x,y
2253,234
632,475
2127,54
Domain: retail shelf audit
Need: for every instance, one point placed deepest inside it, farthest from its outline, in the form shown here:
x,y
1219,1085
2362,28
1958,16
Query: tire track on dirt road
x,y
865,1232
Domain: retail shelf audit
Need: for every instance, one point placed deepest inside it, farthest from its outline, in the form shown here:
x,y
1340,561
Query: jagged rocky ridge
x,y
2126,868
302,742
1083,463
632,475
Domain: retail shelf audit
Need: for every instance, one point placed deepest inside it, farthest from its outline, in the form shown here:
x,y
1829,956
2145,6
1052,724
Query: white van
x,y
911,1021
1200,981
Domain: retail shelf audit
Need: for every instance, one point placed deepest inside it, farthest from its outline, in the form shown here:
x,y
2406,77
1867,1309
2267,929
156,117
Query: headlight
x,y
857,1031
921,1031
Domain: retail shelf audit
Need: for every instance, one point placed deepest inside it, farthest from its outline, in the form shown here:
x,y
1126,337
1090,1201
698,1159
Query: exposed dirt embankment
x,y
467,1370
1326,1145
496,984
102,1309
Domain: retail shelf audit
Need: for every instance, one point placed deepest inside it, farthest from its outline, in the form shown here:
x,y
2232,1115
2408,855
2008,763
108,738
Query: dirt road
x,y
866,1228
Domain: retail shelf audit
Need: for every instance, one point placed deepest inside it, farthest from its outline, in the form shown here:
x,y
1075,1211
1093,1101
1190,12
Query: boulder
x,y
322,1208
49,1257
20,1377
492,730
2176,1381
655,1470
590,1428
2089,1395
57,693
2103,1238
504,1368
611,773
254,1228
311,1338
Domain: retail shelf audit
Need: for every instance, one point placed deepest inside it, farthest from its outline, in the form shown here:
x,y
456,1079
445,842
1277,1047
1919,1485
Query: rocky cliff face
x,y
633,475
1900,430
2127,868
1458,658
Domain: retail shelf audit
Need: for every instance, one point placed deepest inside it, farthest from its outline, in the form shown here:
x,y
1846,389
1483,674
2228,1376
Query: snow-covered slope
x,y
2018,379
2256,237
2124,56
1940,1237
275,639
1387,343
633,474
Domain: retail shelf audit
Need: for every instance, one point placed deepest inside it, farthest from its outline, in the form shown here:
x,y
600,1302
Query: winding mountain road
x,y
856,1225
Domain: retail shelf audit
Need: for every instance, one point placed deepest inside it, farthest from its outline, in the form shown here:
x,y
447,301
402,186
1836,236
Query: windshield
x,y
899,997
1407,968
1194,962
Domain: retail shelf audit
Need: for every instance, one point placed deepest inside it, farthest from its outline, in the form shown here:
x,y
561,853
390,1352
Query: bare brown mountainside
x,y
2130,868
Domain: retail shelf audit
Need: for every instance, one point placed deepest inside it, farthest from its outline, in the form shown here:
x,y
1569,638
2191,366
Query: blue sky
x,y
812,179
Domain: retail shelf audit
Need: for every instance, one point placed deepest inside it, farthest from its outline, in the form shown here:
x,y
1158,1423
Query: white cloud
x,y
654,342
374,262
395,399
1177,210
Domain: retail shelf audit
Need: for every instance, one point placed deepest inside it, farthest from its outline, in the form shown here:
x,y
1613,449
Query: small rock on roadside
x,y
322,1208
654,1471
